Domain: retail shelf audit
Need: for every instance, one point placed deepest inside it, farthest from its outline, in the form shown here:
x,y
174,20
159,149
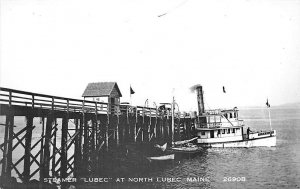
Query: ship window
x,y
233,130
202,133
228,131
230,115
218,118
225,115
211,119
235,114
219,131
223,131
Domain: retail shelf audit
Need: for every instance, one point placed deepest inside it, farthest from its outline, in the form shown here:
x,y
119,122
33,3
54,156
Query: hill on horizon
x,y
292,105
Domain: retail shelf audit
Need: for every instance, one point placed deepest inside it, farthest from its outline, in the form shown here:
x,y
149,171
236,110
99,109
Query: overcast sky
x,y
160,47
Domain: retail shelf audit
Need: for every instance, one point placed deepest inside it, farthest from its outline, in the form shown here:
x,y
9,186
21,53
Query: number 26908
x,y
234,179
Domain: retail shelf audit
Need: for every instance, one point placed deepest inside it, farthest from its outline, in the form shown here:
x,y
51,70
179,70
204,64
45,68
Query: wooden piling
x,y
64,155
28,138
142,127
42,148
106,132
77,149
53,159
149,128
135,126
4,164
155,126
86,147
46,161
10,146
117,130
93,134
8,142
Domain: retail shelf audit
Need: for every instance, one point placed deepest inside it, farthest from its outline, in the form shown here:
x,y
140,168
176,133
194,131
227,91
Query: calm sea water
x,y
259,167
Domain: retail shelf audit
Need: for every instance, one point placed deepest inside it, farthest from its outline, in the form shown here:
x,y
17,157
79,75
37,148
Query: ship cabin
x,y
219,126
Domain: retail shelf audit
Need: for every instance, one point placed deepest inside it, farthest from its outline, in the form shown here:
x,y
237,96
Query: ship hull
x,y
255,142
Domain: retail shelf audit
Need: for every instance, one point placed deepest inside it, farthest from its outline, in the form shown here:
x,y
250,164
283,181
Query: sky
x,y
159,47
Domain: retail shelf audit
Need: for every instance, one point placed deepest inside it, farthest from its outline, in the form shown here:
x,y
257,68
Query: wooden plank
x,y
15,164
36,143
34,172
19,140
34,158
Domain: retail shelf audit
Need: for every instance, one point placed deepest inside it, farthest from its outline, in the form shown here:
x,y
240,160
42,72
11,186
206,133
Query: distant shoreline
x,y
282,106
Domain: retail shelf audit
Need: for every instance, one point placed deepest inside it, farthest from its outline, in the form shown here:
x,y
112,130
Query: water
x,y
259,167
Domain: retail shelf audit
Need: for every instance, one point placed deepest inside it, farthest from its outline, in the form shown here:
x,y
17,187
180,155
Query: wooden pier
x,y
63,137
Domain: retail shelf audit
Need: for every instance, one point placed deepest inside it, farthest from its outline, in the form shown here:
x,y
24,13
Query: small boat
x,y
186,148
161,158
184,141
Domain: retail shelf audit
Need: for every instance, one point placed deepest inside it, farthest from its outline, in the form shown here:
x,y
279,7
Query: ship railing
x,y
210,125
214,124
258,134
261,132
265,133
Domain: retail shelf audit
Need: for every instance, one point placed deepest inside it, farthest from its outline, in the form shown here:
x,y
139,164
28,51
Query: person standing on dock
x,y
248,131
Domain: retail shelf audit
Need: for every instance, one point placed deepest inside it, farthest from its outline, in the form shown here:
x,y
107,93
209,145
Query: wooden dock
x,y
73,134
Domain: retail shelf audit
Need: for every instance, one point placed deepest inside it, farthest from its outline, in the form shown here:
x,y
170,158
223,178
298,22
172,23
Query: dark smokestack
x,y
200,100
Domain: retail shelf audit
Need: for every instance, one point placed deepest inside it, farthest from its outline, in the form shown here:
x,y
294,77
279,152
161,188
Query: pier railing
x,y
13,97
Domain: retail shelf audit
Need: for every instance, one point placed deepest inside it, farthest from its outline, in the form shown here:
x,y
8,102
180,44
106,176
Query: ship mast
x,y
268,107
270,117
172,107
